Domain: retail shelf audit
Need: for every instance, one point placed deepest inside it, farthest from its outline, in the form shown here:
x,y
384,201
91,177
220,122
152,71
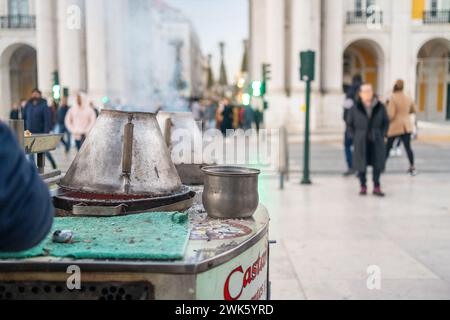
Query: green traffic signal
x,y
257,89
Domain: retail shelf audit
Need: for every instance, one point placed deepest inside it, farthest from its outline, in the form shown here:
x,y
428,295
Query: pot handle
x,y
86,211
168,132
127,153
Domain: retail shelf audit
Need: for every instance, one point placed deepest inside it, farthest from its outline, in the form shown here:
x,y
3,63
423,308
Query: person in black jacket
x,y
26,210
16,112
368,123
38,118
351,98
61,124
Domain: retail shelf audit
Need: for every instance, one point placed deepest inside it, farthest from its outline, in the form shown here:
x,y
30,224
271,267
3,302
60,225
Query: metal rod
x,y
306,170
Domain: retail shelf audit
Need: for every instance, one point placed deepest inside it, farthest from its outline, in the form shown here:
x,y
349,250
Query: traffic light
x,y
56,89
56,92
246,99
267,72
307,63
257,89
266,76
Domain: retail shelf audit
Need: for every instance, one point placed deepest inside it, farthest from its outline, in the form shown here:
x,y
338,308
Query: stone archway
x,y
18,74
433,80
365,58
23,73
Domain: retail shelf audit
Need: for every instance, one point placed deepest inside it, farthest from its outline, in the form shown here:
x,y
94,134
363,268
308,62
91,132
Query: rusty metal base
x,y
66,200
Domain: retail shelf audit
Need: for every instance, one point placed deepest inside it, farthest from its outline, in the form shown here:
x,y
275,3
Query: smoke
x,y
147,59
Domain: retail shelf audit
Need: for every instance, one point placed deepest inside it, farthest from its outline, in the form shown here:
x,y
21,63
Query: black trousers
x,y
376,178
406,139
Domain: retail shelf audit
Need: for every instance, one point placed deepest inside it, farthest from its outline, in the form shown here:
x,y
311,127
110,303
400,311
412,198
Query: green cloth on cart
x,y
148,236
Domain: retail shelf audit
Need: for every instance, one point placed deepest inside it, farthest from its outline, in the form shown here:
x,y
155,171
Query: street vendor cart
x,y
138,233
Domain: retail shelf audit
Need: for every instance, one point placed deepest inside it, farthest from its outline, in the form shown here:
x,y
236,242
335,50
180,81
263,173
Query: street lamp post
x,y
307,62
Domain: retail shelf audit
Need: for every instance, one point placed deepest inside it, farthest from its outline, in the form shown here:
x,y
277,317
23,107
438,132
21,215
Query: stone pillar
x,y
400,46
96,50
47,44
275,46
72,46
258,39
332,49
332,53
116,52
306,24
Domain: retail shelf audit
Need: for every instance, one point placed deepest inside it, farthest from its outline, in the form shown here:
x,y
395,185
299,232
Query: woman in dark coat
x,y
368,124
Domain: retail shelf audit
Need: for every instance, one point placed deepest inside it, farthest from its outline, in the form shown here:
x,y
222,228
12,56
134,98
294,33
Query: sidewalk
x,y
328,236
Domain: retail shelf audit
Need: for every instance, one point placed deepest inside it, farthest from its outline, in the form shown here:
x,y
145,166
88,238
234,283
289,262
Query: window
x,y
361,6
358,8
369,3
434,7
18,7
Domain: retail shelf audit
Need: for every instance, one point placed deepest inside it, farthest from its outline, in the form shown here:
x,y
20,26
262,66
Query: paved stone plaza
x,y
328,235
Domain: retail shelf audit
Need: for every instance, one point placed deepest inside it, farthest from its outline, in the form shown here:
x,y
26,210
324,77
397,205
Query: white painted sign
x,y
243,278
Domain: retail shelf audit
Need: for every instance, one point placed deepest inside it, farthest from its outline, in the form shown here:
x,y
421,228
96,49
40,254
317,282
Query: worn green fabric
x,y
147,236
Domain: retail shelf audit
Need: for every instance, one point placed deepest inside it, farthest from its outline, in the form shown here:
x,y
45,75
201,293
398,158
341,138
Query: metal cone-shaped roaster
x,y
124,166
176,125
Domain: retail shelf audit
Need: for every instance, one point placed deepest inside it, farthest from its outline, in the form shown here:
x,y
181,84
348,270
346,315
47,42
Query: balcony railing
x,y
17,22
436,17
363,17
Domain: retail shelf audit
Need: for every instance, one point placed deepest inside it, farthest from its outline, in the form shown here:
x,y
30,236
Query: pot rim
x,y
230,171
128,112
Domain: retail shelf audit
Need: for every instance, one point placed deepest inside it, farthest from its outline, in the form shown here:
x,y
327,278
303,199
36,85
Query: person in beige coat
x,y
80,119
400,108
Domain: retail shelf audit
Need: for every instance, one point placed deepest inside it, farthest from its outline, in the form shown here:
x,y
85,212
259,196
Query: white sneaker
x,y
398,152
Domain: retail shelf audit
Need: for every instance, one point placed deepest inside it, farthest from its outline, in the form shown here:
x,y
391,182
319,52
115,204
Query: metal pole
x,y
306,172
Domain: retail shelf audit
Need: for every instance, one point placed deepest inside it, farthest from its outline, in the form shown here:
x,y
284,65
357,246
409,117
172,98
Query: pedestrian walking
x,y
80,119
210,114
196,109
61,125
259,118
16,112
219,114
228,117
400,109
38,119
368,124
248,118
350,101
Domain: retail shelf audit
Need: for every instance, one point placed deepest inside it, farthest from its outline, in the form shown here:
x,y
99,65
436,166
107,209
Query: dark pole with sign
x,y
266,76
307,62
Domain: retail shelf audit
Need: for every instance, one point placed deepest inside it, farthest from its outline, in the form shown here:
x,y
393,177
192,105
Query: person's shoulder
x,y
3,127
6,136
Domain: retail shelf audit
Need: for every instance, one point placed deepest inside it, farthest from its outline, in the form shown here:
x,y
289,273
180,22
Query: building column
x,y
47,44
332,48
72,46
306,24
258,31
332,61
275,46
96,50
400,46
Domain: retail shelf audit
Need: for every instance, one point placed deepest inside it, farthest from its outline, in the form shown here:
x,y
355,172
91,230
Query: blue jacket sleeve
x,y
26,210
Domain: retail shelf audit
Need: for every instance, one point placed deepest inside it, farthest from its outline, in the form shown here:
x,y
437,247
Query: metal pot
x,y
124,154
230,192
189,170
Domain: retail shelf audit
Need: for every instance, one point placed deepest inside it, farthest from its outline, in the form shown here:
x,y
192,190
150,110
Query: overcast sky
x,y
215,21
